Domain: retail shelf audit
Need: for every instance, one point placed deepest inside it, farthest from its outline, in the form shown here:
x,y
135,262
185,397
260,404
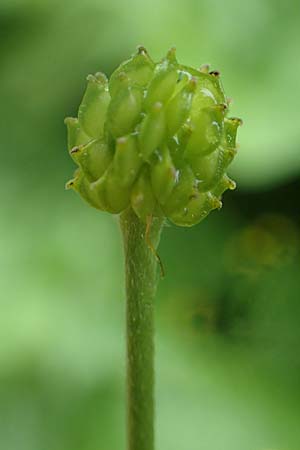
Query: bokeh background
x,y
228,311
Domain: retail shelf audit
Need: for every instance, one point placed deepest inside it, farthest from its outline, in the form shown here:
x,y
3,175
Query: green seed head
x,y
155,137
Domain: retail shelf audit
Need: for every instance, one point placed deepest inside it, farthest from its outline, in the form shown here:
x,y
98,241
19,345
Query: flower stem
x,y
141,281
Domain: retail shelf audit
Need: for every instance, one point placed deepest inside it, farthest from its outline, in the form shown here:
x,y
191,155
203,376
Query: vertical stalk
x,y
141,281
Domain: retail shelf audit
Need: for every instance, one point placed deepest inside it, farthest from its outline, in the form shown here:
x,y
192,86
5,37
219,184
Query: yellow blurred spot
x,y
271,241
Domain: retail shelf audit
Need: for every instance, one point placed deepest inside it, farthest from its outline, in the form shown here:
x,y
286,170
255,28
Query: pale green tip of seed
x,y
221,107
187,129
121,141
237,120
157,107
69,120
231,185
141,50
122,76
70,184
204,68
192,84
231,152
75,150
215,73
216,203
99,77
171,55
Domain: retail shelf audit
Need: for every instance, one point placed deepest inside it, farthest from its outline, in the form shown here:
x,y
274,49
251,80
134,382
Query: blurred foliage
x,y
228,311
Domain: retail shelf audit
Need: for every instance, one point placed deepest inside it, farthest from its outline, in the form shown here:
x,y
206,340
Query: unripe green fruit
x,y
163,175
183,191
138,71
156,138
116,195
196,209
124,111
179,106
81,184
152,130
92,111
163,82
207,130
76,136
143,200
127,160
93,158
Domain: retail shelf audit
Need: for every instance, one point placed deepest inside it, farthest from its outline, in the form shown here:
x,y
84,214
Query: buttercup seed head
x,y
155,137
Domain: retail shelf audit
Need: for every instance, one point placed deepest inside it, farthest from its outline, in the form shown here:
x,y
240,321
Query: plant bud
x,y
157,140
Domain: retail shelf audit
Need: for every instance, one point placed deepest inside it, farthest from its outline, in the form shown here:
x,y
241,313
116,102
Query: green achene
x,y
155,137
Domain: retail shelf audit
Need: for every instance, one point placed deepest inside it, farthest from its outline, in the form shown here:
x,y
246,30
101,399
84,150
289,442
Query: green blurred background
x,y
228,312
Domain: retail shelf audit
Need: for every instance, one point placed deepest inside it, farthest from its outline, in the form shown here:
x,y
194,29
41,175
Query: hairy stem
x,y
141,281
